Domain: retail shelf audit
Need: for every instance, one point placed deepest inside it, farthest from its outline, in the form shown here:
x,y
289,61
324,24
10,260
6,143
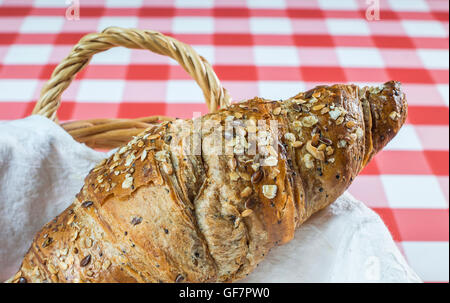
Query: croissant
x,y
178,205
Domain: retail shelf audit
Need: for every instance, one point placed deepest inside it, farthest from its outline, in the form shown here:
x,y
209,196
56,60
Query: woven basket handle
x,y
199,69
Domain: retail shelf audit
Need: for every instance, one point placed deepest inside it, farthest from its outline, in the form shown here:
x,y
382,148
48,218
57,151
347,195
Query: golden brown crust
x,y
388,112
160,211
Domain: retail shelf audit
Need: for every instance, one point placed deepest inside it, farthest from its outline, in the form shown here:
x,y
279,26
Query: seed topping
x,y
270,191
85,261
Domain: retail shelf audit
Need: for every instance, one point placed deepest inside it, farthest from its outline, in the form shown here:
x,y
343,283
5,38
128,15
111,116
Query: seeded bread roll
x,y
177,205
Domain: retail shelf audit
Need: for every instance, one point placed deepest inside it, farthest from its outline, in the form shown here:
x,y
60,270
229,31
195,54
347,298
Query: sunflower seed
x,y
85,261
246,192
246,213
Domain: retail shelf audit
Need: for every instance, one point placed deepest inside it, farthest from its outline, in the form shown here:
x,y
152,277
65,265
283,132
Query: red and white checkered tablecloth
x,y
273,49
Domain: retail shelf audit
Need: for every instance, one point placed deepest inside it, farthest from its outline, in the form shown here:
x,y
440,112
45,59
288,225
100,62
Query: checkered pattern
x,y
267,48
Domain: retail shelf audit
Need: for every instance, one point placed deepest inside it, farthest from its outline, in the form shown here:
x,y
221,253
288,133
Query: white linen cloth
x,y
42,168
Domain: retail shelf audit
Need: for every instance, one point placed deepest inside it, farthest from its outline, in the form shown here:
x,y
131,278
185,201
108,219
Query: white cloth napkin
x,y
42,168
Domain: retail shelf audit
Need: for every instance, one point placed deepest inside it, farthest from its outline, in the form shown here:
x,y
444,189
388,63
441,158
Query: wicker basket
x,y
111,133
